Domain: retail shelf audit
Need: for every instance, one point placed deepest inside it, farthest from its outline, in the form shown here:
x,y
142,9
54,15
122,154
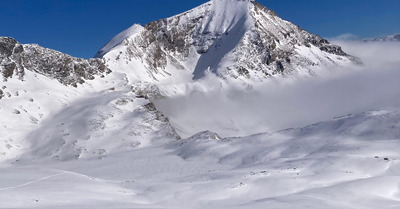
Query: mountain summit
x,y
238,39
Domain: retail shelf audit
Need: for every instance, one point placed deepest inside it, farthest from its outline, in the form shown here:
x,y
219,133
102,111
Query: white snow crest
x,y
226,14
118,39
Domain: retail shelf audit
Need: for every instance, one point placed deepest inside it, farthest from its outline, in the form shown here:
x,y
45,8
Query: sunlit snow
x,y
309,139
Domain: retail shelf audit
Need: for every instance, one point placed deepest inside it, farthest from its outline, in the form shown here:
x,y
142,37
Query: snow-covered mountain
x,y
238,39
390,38
74,106
160,119
54,106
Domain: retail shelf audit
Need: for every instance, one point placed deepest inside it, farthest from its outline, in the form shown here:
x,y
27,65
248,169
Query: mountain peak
x,y
239,39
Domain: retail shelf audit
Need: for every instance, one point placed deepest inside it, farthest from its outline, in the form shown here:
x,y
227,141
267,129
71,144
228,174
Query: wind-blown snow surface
x,y
347,162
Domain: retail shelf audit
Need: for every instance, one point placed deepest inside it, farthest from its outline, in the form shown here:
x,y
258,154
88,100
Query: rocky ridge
x,y
15,58
395,37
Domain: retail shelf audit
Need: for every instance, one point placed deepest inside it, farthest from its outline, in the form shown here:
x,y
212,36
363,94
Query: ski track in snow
x,y
32,182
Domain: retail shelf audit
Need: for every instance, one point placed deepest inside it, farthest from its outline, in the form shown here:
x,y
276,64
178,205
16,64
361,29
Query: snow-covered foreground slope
x,y
43,119
347,162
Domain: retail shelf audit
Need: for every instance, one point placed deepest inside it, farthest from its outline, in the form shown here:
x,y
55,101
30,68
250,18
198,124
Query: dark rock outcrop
x,y
15,58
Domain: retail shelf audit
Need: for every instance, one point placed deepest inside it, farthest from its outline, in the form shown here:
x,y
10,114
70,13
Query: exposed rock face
x,y
15,58
234,39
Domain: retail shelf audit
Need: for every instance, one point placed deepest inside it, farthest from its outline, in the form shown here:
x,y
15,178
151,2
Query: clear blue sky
x,y
81,27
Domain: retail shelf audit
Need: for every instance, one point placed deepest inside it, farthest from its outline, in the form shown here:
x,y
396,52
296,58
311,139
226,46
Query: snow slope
x,y
227,17
118,39
347,162
44,117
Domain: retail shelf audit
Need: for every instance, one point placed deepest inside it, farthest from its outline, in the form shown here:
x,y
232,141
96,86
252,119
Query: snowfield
x,y
347,162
